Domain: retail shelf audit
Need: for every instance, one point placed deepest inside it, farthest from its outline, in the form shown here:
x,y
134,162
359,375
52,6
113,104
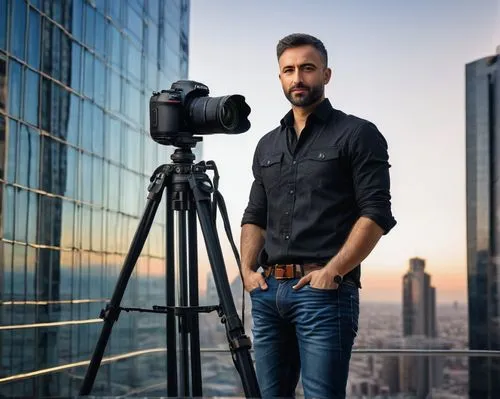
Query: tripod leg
x,y
238,342
172,388
183,302
193,301
110,314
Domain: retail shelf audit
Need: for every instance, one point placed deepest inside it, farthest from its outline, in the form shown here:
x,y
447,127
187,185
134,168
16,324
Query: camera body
x,y
186,109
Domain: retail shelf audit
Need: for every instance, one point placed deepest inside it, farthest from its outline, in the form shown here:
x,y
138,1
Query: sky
x,y
399,64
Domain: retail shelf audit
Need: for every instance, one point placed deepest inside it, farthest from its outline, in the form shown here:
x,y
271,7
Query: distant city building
x,y
75,160
415,375
483,220
419,301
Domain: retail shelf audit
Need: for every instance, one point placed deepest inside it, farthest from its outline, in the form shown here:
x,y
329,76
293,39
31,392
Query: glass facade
x,y
483,220
75,160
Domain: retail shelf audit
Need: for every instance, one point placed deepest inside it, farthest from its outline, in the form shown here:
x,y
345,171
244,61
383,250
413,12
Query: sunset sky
x,y
398,64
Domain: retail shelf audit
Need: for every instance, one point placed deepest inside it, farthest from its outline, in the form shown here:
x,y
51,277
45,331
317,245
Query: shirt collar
x,y
320,113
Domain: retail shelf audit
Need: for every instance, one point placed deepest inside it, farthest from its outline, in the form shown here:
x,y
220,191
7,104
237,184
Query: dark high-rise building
x,y
483,220
418,374
75,160
419,301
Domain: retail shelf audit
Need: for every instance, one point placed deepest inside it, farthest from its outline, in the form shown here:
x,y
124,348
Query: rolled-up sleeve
x,y
256,210
370,167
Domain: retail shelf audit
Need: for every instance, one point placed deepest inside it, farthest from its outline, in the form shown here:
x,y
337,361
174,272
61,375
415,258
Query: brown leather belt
x,y
281,272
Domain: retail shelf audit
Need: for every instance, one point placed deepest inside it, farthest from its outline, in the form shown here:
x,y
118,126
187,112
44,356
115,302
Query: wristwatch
x,y
338,279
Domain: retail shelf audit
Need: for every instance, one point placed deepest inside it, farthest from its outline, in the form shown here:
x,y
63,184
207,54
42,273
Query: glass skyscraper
x,y
483,220
75,160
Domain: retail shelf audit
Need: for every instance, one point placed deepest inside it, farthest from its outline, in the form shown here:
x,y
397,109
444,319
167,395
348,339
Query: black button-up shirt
x,y
309,192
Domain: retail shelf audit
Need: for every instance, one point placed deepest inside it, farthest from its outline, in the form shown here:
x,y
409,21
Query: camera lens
x,y
226,114
229,114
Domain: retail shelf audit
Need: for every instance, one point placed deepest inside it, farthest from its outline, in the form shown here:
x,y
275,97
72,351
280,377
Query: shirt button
x,y
321,155
268,161
291,191
294,162
287,237
287,213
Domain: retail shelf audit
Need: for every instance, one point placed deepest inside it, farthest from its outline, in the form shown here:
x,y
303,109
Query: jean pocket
x,y
255,290
322,290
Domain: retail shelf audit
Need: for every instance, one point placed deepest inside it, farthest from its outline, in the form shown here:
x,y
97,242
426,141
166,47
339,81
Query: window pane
x,y
76,20
32,217
76,58
86,227
88,76
3,24
31,256
29,155
74,120
17,28
12,151
97,230
34,39
113,140
97,180
86,139
115,9
134,152
152,42
100,34
133,101
15,80
115,46
45,104
86,178
8,214
3,136
68,211
21,215
31,93
89,25
134,24
72,173
97,131
114,91
134,63
99,83
113,185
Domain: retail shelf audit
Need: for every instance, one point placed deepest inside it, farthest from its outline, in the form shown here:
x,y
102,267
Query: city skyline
x,y
385,68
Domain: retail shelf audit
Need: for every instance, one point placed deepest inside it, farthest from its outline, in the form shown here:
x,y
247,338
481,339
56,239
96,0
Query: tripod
x,y
188,191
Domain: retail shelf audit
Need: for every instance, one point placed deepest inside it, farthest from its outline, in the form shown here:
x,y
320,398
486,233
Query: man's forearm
x,y
361,240
252,240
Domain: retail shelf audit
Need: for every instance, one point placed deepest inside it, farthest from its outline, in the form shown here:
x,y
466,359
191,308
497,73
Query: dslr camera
x,y
186,109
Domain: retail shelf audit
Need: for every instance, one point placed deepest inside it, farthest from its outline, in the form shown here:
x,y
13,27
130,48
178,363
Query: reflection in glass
x,y
3,24
28,156
14,88
32,217
21,215
18,28
73,120
11,151
31,94
76,61
34,39
8,212
88,164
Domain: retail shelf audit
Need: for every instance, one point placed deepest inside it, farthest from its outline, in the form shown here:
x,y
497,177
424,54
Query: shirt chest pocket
x,y
270,166
322,166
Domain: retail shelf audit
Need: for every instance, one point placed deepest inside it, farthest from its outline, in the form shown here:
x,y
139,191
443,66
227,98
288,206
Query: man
x,y
318,205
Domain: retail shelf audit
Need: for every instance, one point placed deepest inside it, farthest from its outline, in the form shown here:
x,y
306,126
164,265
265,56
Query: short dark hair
x,y
301,39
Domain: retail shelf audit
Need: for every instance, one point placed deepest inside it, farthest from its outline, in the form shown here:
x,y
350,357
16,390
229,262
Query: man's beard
x,y
309,97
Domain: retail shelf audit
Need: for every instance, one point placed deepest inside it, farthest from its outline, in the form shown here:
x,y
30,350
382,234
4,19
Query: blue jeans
x,y
308,330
